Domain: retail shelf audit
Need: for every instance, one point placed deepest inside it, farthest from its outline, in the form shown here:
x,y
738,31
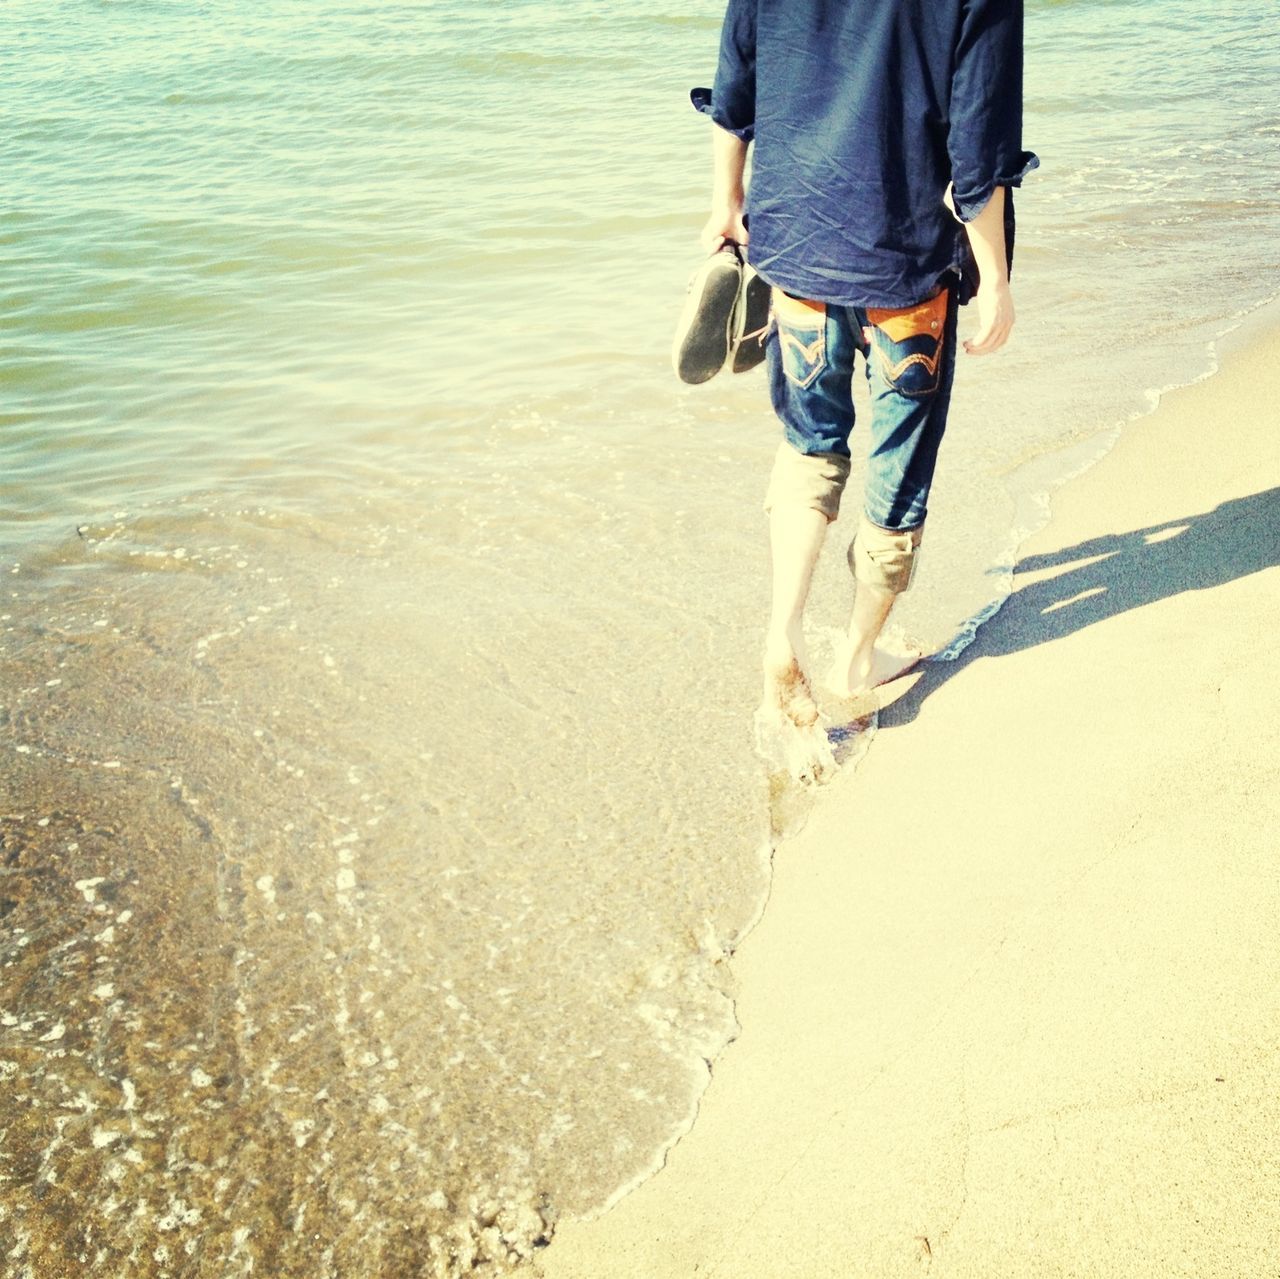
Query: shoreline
x,y
835,1137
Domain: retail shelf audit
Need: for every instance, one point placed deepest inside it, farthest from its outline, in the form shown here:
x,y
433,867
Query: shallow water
x,y
380,617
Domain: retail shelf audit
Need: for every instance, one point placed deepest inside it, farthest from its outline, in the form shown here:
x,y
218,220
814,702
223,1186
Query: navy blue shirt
x,y
862,112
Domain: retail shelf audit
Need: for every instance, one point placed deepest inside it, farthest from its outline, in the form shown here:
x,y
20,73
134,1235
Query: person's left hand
x,y
995,319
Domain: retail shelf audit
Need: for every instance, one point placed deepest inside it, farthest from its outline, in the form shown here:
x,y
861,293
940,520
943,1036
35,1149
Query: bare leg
x,y
787,729
855,669
882,561
796,534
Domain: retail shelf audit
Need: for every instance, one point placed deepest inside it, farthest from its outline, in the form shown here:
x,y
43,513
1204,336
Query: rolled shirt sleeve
x,y
985,136
732,102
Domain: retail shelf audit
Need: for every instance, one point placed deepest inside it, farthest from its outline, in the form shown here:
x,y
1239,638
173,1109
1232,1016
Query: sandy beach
x,y
1012,1009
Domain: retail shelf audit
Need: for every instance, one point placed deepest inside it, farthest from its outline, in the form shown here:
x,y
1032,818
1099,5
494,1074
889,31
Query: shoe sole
x,y
704,336
751,325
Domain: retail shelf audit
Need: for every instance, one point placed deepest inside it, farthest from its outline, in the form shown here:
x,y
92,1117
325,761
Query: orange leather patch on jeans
x,y
925,319
798,310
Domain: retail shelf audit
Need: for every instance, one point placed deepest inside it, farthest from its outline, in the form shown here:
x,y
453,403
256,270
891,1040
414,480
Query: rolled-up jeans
x,y
909,357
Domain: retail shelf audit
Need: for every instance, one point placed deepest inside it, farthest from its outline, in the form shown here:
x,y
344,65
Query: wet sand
x,y
295,978
1011,1009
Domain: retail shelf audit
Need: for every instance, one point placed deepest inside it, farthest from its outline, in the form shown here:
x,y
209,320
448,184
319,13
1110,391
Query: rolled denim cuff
x,y
970,201
703,101
815,480
885,558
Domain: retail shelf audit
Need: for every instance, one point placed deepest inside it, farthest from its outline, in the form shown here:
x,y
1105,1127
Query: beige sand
x,y
1014,1006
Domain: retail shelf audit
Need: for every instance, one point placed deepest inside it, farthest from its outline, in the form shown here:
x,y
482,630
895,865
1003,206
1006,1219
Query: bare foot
x,y
787,729
787,691
854,673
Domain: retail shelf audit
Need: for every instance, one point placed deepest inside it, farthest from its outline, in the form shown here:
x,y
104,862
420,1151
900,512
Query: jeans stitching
x,y
893,371
815,351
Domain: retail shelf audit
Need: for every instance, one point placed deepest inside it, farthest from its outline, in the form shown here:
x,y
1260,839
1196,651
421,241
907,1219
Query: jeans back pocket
x,y
802,337
907,344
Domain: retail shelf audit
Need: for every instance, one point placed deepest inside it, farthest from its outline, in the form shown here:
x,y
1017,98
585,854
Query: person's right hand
x,y
724,224
995,318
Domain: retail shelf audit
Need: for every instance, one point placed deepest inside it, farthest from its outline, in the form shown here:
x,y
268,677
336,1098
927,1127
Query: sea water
x,y
380,617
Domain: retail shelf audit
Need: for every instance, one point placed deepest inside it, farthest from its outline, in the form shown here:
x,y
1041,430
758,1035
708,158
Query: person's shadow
x,y
1111,575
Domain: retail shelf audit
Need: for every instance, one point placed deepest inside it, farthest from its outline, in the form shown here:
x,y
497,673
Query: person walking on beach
x,y
887,136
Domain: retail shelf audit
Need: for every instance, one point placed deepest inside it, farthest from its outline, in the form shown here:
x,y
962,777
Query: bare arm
x,y
984,142
995,299
729,162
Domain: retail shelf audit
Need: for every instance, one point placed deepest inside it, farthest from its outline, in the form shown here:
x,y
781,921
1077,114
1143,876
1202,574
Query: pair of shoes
x,y
724,321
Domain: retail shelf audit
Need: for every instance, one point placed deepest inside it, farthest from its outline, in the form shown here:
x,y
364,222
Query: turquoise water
x,y
380,617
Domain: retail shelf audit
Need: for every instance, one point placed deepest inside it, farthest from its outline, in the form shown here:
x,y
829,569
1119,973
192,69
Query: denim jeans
x,y
909,356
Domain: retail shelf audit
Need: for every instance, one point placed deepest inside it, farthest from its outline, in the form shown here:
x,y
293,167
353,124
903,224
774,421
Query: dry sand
x,y
1014,1006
